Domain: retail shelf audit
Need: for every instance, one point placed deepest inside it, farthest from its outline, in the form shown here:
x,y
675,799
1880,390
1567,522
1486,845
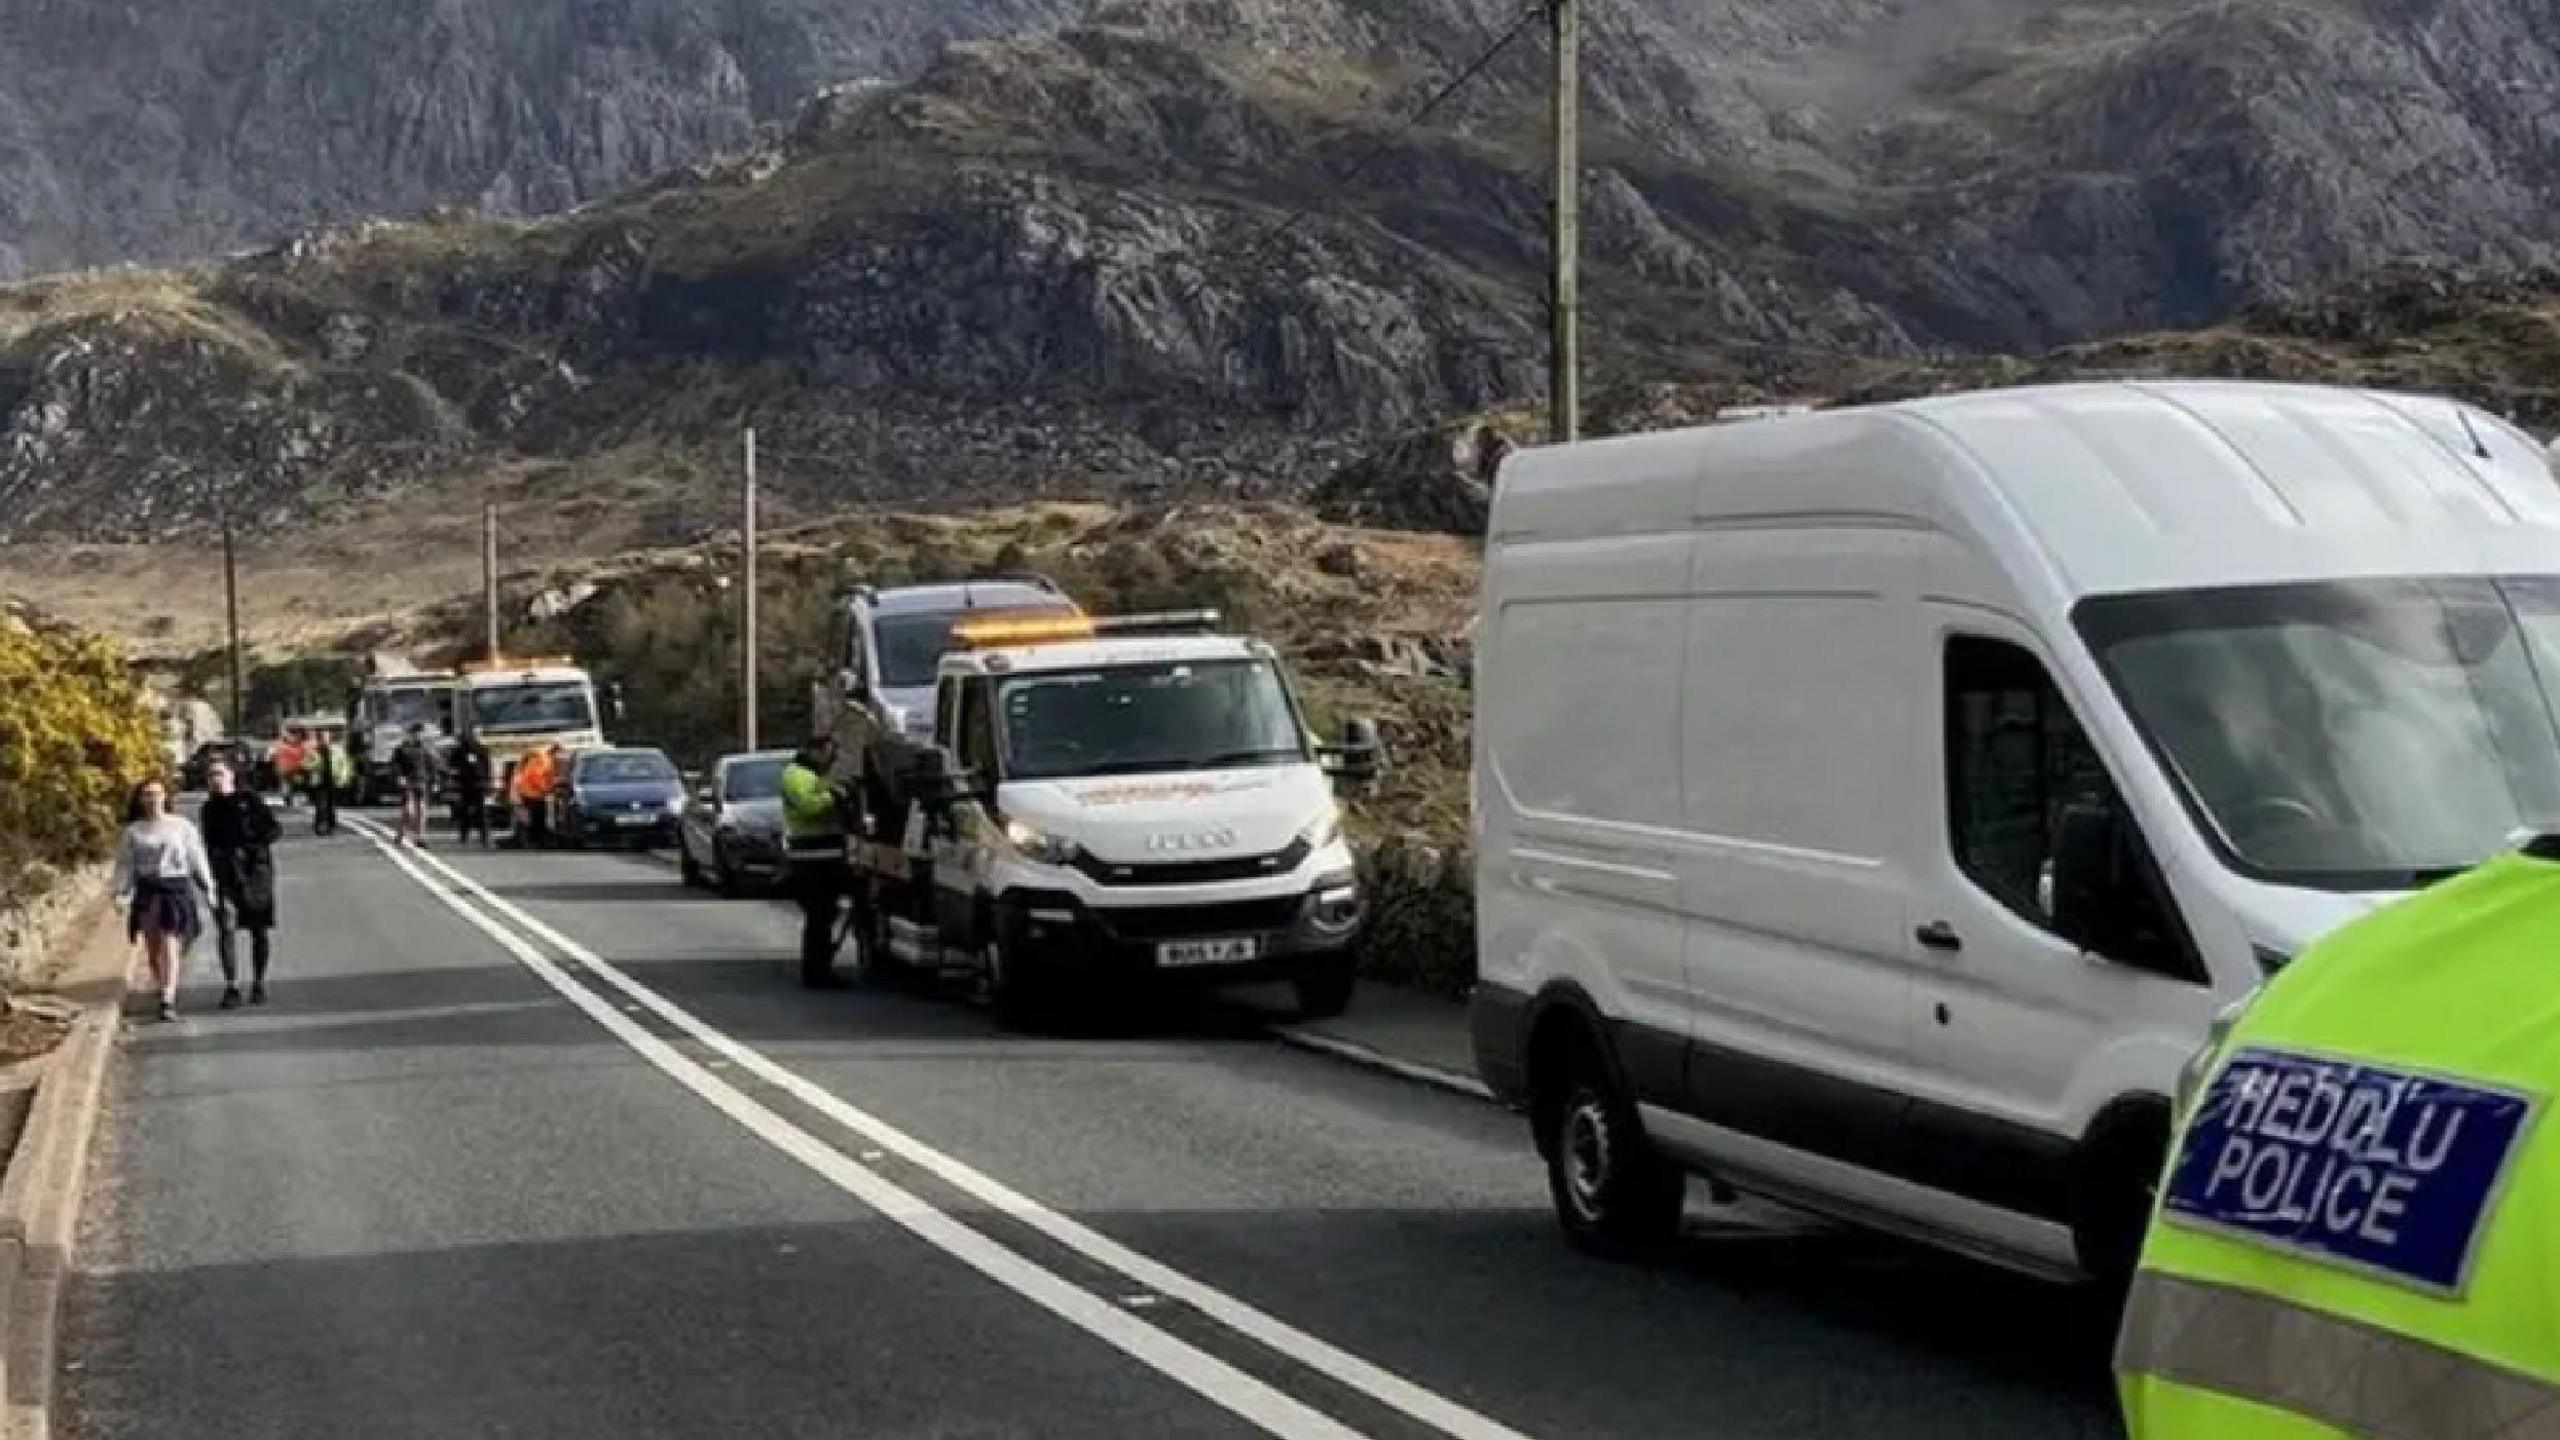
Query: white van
x,y
1875,808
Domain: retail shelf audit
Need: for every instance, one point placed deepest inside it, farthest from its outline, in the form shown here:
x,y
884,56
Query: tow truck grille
x,y
1195,872
1168,922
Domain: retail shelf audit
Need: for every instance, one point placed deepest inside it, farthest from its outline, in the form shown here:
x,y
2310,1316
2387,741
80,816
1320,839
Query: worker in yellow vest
x,y
2359,1231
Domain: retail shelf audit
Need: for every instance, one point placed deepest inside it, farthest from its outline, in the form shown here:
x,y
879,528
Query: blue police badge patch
x,y
2386,1171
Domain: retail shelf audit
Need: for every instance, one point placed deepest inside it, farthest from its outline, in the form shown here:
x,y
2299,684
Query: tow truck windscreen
x,y
520,709
404,708
2434,700
1148,720
912,646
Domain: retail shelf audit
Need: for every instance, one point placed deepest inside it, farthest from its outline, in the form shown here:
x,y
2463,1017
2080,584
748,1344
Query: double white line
x,y
1211,1377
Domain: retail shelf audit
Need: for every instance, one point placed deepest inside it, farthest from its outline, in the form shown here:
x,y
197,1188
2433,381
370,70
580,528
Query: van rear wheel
x,y
1614,1194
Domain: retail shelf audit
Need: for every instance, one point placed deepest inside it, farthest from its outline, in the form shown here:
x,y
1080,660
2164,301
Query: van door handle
x,y
1939,935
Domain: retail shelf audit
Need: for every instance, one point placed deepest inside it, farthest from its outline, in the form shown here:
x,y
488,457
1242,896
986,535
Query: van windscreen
x,y
2348,735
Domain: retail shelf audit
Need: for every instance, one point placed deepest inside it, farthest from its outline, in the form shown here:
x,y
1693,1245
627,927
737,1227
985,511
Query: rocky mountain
x,y
1190,246
165,129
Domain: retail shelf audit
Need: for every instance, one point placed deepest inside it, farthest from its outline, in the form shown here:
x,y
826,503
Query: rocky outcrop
x,y
1192,249
173,128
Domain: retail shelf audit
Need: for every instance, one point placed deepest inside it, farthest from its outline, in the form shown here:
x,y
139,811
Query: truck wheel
x,y
874,963
1325,992
1014,990
1615,1196
2121,1188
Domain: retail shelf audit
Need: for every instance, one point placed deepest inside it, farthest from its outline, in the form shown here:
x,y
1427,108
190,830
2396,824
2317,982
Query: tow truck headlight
x,y
1322,830
1039,846
1337,903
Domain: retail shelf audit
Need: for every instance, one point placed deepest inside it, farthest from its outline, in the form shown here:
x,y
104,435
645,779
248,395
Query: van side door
x,y
2021,1034
1800,824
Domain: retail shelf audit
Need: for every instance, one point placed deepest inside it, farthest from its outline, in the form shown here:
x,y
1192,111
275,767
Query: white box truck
x,y
1877,807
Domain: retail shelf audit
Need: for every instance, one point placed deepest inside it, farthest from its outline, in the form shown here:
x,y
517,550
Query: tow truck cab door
x,y
963,863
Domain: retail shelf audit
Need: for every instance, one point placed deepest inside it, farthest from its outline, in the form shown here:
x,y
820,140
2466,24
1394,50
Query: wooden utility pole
x,y
1564,357
489,573
231,610
747,597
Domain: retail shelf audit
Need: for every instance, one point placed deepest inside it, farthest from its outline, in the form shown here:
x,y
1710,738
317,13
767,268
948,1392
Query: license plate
x,y
1179,954
635,819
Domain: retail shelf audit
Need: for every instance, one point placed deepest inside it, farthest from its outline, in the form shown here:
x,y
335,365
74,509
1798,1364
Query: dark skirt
x,y
167,906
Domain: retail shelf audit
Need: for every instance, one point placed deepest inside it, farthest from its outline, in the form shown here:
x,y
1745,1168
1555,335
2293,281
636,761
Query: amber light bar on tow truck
x,y
526,664
1004,634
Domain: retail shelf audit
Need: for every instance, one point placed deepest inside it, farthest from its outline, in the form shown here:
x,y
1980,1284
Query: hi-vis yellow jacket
x,y
2359,1232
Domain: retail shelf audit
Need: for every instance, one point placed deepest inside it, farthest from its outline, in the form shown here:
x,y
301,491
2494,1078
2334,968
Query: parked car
x,y
619,797
731,833
1877,807
242,757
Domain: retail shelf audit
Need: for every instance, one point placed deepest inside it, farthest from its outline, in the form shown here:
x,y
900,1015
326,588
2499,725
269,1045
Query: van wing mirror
x,y
2106,896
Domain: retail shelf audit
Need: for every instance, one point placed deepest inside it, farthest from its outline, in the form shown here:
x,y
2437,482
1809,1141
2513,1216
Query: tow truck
x,y
391,699
1109,803
887,645
517,706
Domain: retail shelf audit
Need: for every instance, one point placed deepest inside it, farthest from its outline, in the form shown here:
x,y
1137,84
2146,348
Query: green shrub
x,y
74,738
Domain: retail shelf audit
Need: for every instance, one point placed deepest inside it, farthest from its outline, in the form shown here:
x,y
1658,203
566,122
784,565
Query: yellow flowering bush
x,y
74,737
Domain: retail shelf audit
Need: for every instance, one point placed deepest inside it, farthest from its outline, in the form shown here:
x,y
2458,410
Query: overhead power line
x,y
1379,146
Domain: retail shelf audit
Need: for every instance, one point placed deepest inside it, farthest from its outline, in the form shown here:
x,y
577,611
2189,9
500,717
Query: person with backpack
x,y
416,764
239,839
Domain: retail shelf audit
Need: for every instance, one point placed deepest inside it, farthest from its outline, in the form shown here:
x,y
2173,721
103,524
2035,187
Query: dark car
x,y
619,797
731,836
239,754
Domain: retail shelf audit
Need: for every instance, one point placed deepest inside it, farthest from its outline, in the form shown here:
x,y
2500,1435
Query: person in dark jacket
x,y
239,838
471,779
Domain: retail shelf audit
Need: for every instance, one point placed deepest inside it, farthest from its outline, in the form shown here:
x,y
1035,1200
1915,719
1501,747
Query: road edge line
x,y
47,1182
1367,1377
1222,1383
1352,1052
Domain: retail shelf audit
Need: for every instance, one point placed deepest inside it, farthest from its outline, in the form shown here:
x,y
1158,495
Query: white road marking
x,y
1375,1381
1359,1054
1248,1398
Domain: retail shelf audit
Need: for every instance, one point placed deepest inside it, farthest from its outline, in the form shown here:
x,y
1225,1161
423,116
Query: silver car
x,y
730,836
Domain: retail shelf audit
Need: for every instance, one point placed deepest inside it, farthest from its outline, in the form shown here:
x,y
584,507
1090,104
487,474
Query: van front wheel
x,y
1615,1196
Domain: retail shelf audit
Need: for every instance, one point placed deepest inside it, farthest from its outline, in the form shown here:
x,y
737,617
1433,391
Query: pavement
x,y
546,1145
1418,1036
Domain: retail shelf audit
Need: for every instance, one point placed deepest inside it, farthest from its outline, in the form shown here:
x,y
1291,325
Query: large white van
x,y
1875,808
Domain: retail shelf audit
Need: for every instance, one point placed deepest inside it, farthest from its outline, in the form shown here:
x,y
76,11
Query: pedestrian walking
x,y
332,768
239,838
415,763
163,880
471,779
290,755
814,845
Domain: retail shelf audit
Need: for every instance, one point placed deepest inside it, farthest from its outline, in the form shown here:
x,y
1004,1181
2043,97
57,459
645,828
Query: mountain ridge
x,y
1121,255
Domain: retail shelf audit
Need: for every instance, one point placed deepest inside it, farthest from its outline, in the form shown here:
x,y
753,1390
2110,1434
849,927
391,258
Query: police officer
x,y
813,832
2355,1234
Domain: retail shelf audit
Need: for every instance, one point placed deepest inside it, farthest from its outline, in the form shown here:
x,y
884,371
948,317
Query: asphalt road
x,y
549,1146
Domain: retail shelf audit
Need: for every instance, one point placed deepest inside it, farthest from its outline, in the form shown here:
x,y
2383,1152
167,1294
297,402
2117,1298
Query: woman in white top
x,y
164,881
